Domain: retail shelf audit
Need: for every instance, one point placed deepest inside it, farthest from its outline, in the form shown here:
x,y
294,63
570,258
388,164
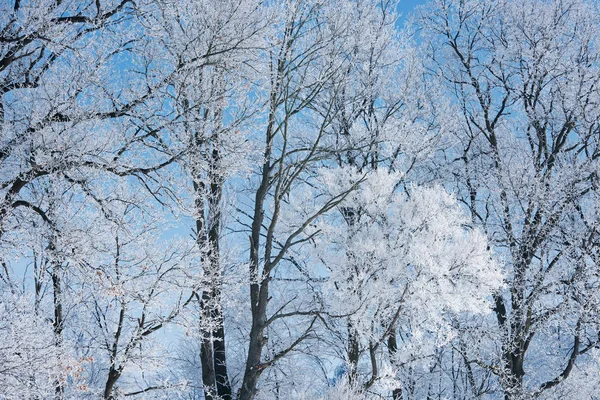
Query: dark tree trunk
x,y
58,323
516,346
213,357
254,368
113,377
114,373
259,288
220,364
206,352
353,353
393,348
214,232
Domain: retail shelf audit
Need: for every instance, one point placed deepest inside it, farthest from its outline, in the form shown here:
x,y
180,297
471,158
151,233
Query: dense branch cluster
x,y
246,199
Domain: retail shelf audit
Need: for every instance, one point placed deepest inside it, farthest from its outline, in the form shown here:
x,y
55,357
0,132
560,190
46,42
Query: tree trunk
x,y
220,360
254,368
206,352
393,348
513,361
113,377
214,232
212,348
58,325
259,290
353,353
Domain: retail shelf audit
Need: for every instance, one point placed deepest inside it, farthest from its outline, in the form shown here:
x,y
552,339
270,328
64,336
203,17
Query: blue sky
x,y
406,6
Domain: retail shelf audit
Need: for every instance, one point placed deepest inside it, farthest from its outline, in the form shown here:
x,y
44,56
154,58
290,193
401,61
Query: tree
x,y
252,199
55,59
69,130
209,47
300,63
405,264
28,357
523,77
354,120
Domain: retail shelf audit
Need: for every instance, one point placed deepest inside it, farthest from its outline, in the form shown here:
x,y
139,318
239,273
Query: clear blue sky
x,y
406,6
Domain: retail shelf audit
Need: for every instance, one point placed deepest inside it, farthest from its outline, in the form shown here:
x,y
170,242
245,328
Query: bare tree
x,y
524,77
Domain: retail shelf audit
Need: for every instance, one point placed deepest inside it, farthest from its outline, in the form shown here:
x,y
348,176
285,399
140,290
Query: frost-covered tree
x,y
210,46
335,103
29,363
523,77
77,137
402,270
249,199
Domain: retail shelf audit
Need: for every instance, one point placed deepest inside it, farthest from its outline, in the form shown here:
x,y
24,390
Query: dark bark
x,y
259,291
113,377
353,353
254,367
213,356
214,233
114,373
221,375
57,323
206,352
206,343
393,348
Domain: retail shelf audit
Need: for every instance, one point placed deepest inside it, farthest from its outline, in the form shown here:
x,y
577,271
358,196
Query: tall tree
x,y
524,78
209,46
69,130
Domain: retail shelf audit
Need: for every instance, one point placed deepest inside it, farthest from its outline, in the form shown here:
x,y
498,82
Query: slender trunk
x,y
513,360
58,326
515,349
393,348
206,351
259,288
353,353
37,283
220,361
213,357
113,377
512,356
114,373
254,368
214,233
206,340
